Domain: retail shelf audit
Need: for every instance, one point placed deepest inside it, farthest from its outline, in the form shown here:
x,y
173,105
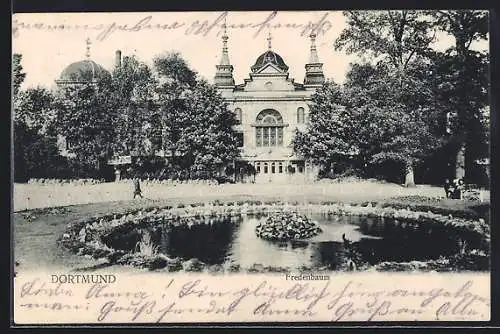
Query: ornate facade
x,y
270,106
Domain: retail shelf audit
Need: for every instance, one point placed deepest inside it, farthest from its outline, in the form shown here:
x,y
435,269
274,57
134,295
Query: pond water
x,y
233,240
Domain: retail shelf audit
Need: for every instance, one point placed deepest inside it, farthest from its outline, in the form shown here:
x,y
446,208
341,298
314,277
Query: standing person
x,y
137,187
458,186
448,188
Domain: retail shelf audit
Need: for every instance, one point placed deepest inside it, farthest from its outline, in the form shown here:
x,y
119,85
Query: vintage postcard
x,y
250,167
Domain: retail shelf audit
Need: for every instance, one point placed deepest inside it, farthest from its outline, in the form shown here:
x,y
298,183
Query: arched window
x,y
280,167
239,139
266,167
300,115
239,115
300,166
273,168
269,128
69,144
257,167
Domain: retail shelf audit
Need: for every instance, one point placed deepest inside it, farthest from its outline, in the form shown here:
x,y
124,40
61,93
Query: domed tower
x,y
269,57
224,75
81,72
314,69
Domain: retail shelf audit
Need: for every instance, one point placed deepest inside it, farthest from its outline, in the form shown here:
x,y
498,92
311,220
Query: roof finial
x,y
224,27
312,35
88,42
313,59
225,55
269,39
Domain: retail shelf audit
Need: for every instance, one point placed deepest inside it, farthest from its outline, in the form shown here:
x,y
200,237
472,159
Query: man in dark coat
x,y
448,188
137,188
459,188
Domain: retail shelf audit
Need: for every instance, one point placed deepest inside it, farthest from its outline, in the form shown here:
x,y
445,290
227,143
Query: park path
x,y
31,196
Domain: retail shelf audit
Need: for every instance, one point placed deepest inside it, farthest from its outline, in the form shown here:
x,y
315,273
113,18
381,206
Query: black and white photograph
x,y
251,166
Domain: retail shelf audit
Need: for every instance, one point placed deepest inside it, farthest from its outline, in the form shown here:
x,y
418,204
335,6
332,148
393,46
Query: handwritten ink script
x,y
205,298
194,27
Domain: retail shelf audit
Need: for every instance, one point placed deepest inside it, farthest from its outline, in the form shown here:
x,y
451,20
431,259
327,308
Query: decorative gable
x,y
270,69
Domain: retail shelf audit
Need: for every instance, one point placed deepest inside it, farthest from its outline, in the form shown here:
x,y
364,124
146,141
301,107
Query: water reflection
x,y
248,249
233,240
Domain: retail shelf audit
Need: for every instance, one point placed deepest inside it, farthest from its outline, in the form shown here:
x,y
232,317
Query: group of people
x,y
454,188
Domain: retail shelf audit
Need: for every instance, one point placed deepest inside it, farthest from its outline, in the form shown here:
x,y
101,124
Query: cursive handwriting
x,y
104,291
38,288
194,28
263,300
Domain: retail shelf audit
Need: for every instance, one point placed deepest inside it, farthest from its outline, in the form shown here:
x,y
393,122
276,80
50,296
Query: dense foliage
x,y
85,120
17,73
404,106
193,124
406,110
35,143
138,112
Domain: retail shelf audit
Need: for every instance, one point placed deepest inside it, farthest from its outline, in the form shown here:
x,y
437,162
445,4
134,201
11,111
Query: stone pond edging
x,y
72,182
84,237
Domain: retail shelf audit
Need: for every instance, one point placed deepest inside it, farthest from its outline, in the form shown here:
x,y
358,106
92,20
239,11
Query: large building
x,y
270,106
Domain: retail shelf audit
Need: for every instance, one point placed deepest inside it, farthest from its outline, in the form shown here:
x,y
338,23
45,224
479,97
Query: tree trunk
x,y
409,177
234,171
460,162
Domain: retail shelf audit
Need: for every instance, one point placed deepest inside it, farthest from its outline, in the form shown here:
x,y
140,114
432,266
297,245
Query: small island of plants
x,y
284,226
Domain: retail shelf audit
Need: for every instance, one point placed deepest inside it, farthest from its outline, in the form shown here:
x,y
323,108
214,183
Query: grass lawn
x,y
37,230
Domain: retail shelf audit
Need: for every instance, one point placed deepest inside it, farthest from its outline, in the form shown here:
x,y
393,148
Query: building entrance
x,y
279,171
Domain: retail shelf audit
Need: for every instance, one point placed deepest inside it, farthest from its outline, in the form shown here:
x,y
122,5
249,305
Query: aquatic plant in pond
x,y
146,246
287,226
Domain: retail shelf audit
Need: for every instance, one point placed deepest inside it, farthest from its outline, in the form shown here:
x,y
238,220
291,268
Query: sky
x,y
49,42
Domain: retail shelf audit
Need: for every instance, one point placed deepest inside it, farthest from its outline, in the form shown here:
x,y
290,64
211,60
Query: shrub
x,y
287,226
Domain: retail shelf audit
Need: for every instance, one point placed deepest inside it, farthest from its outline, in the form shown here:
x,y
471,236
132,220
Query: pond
x,y
233,240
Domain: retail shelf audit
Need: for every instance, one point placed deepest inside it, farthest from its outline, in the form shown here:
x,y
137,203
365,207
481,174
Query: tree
x,y
464,75
36,155
391,98
327,135
365,123
35,145
172,65
397,36
133,87
209,139
192,121
176,80
398,119
85,119
35,108
17,73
